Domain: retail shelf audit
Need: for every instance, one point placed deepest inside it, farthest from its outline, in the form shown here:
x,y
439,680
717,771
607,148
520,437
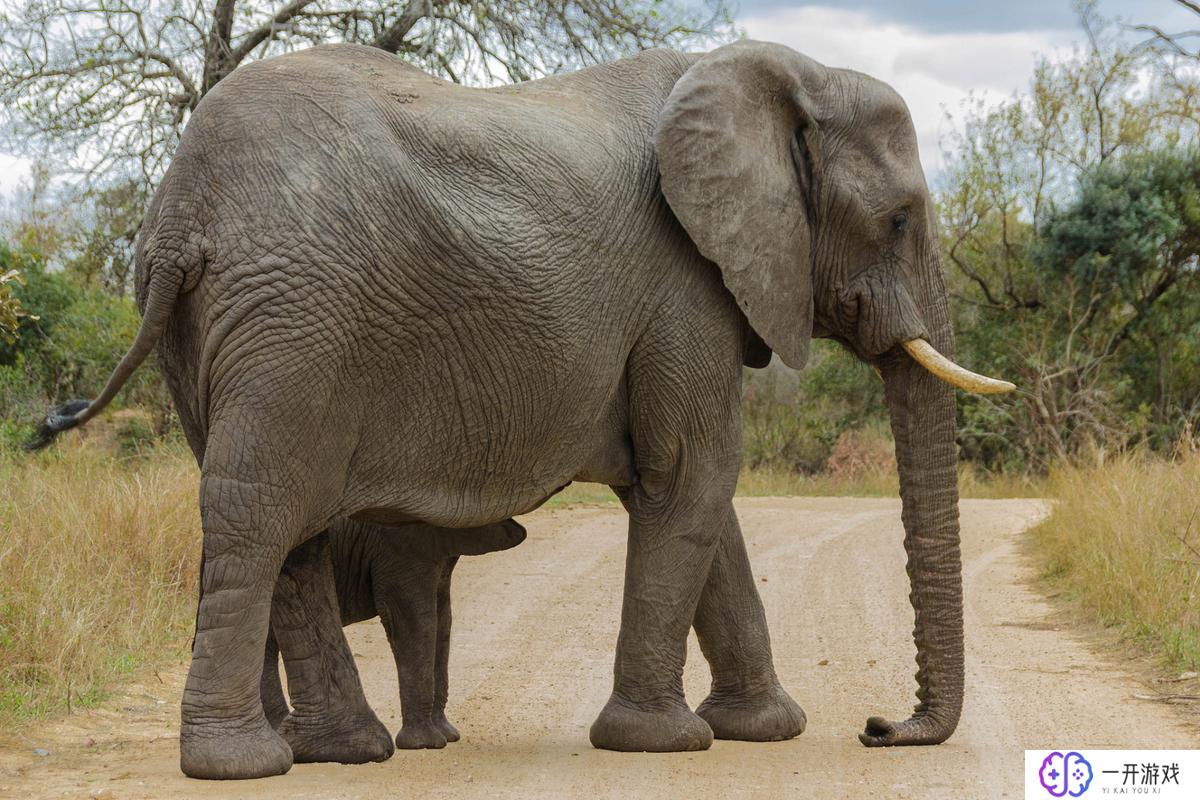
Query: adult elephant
x,y
384,296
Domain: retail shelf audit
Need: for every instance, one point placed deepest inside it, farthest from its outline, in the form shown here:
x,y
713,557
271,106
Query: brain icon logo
x,y
1068,774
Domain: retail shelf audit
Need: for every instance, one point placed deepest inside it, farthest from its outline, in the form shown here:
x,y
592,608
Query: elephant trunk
x,y
922,409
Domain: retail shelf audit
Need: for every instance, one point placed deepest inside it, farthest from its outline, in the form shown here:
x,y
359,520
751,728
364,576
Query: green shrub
x,y
78,337
791,421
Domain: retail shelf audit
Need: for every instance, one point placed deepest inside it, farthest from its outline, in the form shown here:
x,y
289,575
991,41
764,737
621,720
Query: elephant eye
x,y
900,221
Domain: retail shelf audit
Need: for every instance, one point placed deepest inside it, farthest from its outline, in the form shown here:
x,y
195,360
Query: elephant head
x,y
803,185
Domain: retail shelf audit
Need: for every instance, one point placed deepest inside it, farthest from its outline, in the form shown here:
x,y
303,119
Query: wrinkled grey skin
x,y
403,577
383,296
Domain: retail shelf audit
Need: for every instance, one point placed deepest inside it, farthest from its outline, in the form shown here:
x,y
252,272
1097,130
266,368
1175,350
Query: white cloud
x,y
12,171
933,72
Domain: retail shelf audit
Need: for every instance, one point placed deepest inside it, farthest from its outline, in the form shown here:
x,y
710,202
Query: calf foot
x,y
421,735
763,716
628,727
446,727
217,752
351,738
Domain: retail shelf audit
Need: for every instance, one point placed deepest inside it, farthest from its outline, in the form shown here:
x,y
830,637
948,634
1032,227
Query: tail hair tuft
x,y
58,419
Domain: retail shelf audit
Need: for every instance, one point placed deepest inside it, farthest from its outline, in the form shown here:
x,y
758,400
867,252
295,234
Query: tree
x,y
1130,244
792,421
1182,43
91,233
1179,55
35,217
1012,173
103,245
112,82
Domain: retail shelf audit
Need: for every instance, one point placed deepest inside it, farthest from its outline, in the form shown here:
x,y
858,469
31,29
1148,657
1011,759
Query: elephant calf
x,y
403,577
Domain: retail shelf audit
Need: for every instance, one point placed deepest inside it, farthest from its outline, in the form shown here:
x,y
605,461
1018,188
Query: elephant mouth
x,y
946,370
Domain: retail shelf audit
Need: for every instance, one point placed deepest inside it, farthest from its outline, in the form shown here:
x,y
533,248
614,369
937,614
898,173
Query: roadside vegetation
x,y
99,557
1123,543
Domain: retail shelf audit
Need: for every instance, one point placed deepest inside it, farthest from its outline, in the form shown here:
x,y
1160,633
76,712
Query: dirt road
x,y
531,666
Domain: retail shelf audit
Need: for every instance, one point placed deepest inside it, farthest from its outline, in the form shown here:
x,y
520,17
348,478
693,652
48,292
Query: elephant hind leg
x,y
260,495
330,719
223,731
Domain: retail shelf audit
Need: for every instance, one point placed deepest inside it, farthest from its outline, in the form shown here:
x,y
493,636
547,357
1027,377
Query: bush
x,y
11,310
791,421
862,453
68,352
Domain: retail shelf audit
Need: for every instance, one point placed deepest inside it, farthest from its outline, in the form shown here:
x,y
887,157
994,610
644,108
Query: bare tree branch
x,y
109,84
393,37
1195,7
217,48
257,36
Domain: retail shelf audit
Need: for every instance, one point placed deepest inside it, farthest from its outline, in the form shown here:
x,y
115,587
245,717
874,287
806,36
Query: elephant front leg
x,y
747,701
330,718
670,551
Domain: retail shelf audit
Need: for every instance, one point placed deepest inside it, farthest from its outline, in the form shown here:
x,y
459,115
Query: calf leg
x,y
275,705
406,590
441,677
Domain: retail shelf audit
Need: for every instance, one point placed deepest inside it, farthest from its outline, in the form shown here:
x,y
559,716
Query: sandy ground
x,y
531,666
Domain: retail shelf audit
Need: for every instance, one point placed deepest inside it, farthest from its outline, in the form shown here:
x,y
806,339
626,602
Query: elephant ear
x,y
735,144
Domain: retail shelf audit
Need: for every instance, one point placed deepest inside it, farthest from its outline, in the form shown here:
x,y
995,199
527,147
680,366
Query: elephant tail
x,y
162,290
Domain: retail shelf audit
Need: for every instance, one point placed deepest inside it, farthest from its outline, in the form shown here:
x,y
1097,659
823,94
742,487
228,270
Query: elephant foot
x,y
214,752
768,716
446,727
921,730
421,735
626,727
352,738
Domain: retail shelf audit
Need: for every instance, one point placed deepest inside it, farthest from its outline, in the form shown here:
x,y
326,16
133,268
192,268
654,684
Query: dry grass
x,y
977,484
98,566
785,483
1123,542
882,482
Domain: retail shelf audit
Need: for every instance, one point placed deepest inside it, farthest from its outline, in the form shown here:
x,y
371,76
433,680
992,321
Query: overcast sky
x,y
934,52
937,52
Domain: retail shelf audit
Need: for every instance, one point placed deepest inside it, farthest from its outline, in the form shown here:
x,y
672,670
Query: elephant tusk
x,y
941,367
